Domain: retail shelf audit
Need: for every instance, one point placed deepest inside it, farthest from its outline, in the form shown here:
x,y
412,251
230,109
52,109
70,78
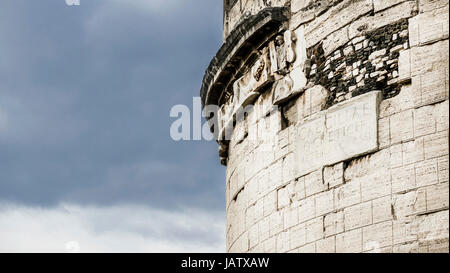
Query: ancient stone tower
x,y
333,124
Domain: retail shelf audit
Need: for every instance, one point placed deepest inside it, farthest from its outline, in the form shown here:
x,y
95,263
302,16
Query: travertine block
x,y
413,151
284,197
381,209
290,217
319,97
408,204
369,23
324,202
348,194
431,5
297,236
403,178
358,216
335,40
384,137
270,203
289,167
434,229
314,183
334,175
402,127
441,115
299,188
433,57
309,248
428,27
314,230
376,185
383,4
436,145
334,19
396,155
282,242
253,238
437,197
306,209
327,245
270,245
443,169
263,229
276,223
333,223
424,122
404,231
426,172
377,236
404,65
349,242
343,131
297,5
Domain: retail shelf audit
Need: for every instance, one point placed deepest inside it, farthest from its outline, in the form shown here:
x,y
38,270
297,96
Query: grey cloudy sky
x,y
85,96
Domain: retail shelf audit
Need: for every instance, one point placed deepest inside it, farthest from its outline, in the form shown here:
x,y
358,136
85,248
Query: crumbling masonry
x,y
346,147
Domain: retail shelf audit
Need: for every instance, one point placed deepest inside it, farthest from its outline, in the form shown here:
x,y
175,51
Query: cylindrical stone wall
x,y
345,145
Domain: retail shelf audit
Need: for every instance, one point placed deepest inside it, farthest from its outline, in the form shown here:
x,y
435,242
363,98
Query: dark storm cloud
x,y
85,95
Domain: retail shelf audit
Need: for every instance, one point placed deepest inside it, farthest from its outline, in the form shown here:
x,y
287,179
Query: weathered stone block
x,y
348,194
441,115
309,248
314,230
381,209
433,57
437,197
270,203
334,175
297,236
346,130
443,169
404,231
376,185
434,229
327,245
282,242
349,242
335,18
276,223
314,183
413,151
324,202
377,236
408,204
403,178
384,4
333,223
358,216
402,127
404,65
431,5
426,172
436,145
290,217
380,19
424,122
428,27
306,209
384,136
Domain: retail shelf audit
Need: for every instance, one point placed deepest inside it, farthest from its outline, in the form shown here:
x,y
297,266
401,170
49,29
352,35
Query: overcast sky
x,y
86,158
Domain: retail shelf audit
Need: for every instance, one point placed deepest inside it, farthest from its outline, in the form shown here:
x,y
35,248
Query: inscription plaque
x,y
342,132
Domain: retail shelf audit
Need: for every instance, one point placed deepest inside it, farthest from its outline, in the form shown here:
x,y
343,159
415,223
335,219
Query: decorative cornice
x,y
247,37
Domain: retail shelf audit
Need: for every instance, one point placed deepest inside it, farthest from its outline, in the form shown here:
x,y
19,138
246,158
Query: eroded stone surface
x,y
342,132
